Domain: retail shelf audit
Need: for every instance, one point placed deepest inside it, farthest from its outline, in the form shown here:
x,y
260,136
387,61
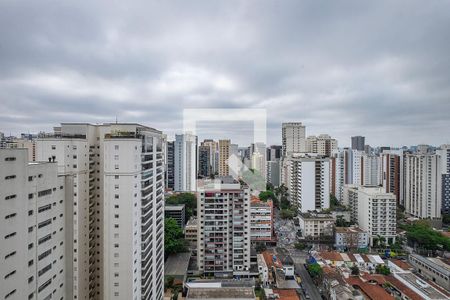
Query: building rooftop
x,y
316,215
223,293
193,221
420,286
176,207
286,294
177,264
352,229
372,291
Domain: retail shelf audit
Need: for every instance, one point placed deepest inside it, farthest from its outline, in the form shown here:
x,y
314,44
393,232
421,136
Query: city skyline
x,y
375,69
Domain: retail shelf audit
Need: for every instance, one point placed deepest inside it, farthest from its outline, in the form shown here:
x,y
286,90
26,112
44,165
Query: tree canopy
x,y
173,237
287,214
188,199
421,234
315,270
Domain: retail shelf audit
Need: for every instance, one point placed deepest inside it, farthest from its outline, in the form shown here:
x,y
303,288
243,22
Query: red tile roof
x,y
402,264
287,294
403,288
331,255
372,291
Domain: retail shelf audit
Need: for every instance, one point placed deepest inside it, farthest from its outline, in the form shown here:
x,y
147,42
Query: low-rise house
x,y
350,238
316,224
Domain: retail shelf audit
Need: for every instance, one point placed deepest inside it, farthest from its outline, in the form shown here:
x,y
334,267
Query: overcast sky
x,y
374,68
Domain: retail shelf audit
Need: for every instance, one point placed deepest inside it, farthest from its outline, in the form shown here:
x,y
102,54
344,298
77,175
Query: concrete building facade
x,y
185,166
293,138
33,210
118,207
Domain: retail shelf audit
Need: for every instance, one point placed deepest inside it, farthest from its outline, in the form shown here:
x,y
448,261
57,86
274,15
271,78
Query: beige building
x,y
224,154
322,144
191,230
314,224
293,136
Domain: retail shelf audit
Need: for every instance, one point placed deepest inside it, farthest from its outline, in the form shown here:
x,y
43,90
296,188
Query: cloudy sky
x,y
374,68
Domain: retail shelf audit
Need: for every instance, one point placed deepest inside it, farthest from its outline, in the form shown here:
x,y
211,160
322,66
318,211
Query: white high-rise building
x,y
308,180
423,183
117,230
258,154
293,138
185,170
374,210
33,208
223,244
371,170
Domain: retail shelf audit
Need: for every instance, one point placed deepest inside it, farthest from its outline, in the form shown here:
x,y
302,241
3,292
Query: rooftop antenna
x,y
116,119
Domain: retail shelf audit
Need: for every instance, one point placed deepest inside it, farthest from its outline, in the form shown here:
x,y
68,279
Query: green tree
x,y
173,237
287,214
355,270
267,195
188,199
315,270
382,269
421,234
446,218
300,246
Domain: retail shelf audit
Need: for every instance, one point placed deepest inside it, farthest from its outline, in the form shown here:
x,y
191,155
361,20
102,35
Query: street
x,y
299,258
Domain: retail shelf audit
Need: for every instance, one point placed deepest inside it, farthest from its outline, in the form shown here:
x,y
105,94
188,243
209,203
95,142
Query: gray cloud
x,y
380,69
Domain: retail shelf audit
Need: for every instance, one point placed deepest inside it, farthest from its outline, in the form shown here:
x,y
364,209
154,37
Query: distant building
x,y
28,144
307,178
371,170
314,224
444,154
274,152
392,173
358,143
322,144
176,212
337,174
293,138
373,210
435,269
224,154
204,161
221,290
170,169
185,170
261,220
423,185
351,238
274,172
191,230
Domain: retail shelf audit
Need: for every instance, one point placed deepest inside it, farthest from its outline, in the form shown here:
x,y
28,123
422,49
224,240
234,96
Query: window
x,y
10,294
30,178
43,286
30,196
116,216
10,235
10,274
116,147
53,147
44,193
116,167
116,176
44,208
74,157
30,212
10,197
10,254
116,157
10,177
74,147
10,216
116,196
10,158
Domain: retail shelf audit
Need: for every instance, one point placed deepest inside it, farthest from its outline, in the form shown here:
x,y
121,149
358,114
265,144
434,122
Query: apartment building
x,y
358,143
273,170
293,135
118,208
176,212
204,161
444,153
314,224
191,230
337,175
392,173
261,220
351,238
224,154
423,185
170,166
322,144
374,210
23,143
308,179
370,170
213,154
436,269
33,210
224,228
185,171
